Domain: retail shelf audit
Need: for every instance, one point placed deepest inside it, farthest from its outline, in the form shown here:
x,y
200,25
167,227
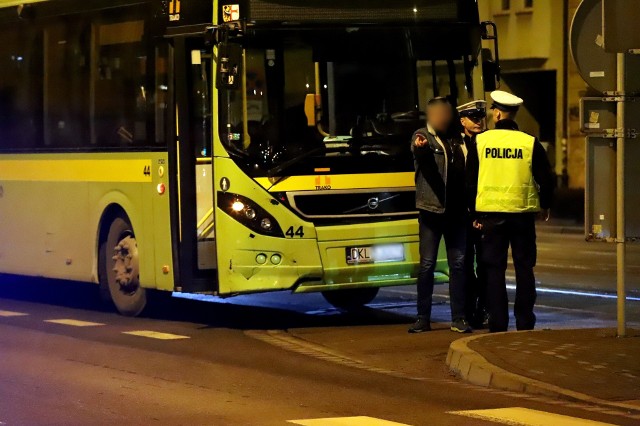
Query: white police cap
x,y
473,108
505,101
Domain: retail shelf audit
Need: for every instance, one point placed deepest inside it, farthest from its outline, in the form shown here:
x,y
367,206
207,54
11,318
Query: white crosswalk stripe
x,y
12,314
155,335
74,323
526,417
346,421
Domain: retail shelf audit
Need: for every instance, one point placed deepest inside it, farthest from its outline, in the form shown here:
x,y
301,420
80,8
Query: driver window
x,y
277,84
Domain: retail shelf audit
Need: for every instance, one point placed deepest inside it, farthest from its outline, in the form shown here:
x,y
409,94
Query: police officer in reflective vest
x,y
509,182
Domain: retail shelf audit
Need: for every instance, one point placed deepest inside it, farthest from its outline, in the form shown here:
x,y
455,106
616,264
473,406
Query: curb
x,y
472,367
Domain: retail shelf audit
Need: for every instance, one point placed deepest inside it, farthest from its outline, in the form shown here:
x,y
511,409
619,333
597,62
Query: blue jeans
x,y
453,228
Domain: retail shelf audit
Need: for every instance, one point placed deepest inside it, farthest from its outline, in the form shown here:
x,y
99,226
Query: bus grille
x,y
350,204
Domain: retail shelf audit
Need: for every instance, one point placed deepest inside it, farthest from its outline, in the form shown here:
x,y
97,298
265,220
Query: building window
x,y
528,4
506,5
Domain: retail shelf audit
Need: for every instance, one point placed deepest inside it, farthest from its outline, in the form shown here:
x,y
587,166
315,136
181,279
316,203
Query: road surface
x,y
66,360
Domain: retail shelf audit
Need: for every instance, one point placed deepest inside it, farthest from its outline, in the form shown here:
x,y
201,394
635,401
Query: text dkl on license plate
x,y
375,254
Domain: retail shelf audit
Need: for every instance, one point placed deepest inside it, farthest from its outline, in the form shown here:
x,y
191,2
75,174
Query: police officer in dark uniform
x,y
472,119
509,182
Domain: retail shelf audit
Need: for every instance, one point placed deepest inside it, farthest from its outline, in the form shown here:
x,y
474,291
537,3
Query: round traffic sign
x,y
597,67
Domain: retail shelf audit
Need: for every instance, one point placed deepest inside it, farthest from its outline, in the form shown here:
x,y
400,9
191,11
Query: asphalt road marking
x,y
12,314
291,343
597,252
74,323
155,335
599,267
526,417
381,306
580,293
346,421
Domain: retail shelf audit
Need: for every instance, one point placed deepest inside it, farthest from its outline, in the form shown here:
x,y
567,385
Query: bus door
x,y
191,154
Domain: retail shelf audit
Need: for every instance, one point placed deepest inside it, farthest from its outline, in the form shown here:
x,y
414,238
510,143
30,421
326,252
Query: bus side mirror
x,y
490,74
228,71
490,67
310,109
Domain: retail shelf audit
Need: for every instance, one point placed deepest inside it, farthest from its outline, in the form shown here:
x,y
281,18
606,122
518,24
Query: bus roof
x,y
38,9
10,3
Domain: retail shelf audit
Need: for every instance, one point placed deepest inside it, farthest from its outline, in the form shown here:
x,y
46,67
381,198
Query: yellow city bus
x,y
222,147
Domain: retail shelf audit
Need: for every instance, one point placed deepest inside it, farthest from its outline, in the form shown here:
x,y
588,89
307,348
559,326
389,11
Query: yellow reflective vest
x,y
505,177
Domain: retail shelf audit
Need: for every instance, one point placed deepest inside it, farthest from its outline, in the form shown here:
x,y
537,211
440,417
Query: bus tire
x,y
120,269
351,299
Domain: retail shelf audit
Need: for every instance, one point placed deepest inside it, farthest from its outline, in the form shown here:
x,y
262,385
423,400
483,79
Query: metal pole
x,y
562,147
620,208
331,82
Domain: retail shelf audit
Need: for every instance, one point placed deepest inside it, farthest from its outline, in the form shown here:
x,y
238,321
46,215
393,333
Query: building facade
x,y
537,66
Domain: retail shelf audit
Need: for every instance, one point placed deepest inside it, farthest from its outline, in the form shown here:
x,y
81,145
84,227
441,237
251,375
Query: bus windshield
x,y
368,105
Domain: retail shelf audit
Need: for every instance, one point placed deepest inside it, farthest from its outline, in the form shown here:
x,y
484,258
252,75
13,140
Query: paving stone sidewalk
x,y
591,365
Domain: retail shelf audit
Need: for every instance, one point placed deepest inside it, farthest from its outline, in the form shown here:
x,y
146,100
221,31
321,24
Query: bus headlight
x,y
237,206
265,224
249,213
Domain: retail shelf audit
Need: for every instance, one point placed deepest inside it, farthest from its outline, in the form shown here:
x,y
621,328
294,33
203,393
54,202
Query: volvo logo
x,y
373,203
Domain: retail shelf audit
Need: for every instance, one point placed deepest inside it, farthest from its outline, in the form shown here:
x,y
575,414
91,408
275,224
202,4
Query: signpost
x,y
608,59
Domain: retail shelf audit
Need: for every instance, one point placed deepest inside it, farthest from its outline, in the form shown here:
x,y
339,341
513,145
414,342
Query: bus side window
x,y
21,89
67,74
120,89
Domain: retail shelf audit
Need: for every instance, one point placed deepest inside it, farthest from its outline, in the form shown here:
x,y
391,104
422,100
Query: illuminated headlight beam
x,y
577,293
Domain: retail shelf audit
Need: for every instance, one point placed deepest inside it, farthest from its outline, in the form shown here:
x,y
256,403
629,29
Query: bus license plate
x,y
375,254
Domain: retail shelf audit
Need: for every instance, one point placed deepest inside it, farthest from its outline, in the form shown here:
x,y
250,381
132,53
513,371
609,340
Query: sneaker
x,y
421,325
461,326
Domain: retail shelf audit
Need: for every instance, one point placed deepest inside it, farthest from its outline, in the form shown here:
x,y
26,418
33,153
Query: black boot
x,y
480,320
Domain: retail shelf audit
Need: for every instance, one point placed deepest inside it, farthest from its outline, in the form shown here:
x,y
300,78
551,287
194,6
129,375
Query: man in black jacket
x,y
509,183
440,188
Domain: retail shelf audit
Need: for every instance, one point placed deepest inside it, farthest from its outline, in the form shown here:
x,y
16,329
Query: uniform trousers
x,y
499,231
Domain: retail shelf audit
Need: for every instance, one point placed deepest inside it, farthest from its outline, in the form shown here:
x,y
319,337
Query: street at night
x,y
274,358
319,212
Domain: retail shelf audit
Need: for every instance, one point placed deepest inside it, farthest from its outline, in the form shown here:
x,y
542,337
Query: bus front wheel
x,y
352,298
120,269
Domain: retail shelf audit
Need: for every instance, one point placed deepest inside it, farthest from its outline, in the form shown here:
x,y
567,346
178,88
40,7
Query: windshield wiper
x,y
277,170
231,149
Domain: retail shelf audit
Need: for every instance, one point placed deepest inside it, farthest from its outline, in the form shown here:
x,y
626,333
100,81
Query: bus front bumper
x,y
319,264
339,245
